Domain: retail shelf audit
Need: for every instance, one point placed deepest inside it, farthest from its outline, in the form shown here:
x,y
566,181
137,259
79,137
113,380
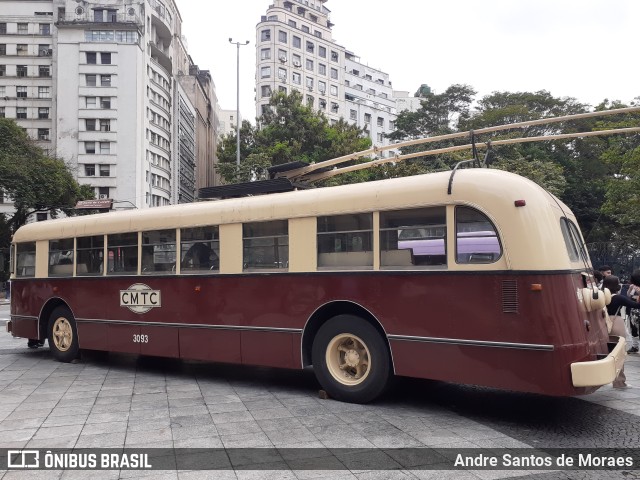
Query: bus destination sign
x,y
140,298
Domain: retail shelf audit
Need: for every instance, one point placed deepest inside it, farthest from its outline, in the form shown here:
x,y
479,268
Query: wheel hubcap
x,y
348,359
62,334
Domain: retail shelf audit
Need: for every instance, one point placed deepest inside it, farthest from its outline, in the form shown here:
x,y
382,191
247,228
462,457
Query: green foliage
x,y
288,132
35,181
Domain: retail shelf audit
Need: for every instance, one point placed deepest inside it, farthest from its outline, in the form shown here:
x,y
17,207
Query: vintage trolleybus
x,y
481,278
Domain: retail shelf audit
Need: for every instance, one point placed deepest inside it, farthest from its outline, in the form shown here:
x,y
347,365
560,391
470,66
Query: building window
x,y
105,58
265,245
265,72
296,78
105,80
380,122
43,134
310,101
322,51
265,54
380,138
21,70
91,58
21,112
90,124
322,69
3,70
297,42
2,114
265,35
105,170
334,73
45,29
297,61
282,73
322,87
23,28
367,118
392,125
22,49
334,90
282,36
309,83
90,102
44,51
105,125
90,80
310,47
21,92
317,33
105,102
90,170
304,28
105,148
3,49
44,71
334,56
282,89
90,147
3,28
353,115
43,92
334,107
309,64
292,23
103,192
43,113
265,91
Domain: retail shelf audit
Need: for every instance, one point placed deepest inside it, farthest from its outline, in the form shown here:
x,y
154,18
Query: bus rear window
x,y
573,241
26,259
476,237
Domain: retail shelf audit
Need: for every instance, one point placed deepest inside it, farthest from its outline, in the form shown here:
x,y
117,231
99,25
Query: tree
x,y
287,132
35,181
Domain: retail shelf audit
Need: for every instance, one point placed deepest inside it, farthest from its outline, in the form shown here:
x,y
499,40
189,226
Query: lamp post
x,y
238,44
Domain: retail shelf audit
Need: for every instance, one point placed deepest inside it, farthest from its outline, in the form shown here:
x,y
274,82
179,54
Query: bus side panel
x,y
210,345
511,369
122,338
159,341
24,327
93,336
270,349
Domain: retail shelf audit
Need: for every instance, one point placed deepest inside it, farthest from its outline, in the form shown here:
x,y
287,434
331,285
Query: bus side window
x,y
199,249
476,237
61,257
415,237
159,251
345,241
26,259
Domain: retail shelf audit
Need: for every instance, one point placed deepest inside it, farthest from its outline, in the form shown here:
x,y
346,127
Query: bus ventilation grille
x,y
509,296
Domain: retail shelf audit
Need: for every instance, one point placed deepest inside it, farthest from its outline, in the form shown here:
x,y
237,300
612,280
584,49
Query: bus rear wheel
x,y
351,360
63,335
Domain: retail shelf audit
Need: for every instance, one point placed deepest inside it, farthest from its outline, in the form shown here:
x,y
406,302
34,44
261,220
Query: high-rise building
x,y
295,51
97,82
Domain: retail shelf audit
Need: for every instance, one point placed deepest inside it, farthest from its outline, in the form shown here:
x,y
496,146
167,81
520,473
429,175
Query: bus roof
x,y
492,191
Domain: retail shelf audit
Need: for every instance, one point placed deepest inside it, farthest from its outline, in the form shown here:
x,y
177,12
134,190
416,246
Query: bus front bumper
x,y
601,372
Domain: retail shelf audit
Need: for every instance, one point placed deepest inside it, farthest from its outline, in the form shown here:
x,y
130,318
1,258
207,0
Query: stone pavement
x,y
108,400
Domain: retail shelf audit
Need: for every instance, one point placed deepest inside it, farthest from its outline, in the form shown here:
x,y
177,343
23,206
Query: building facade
x,y
295,51
97,84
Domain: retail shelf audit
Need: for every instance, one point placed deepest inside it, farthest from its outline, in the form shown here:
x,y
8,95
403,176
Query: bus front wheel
x,y
351,360
63,335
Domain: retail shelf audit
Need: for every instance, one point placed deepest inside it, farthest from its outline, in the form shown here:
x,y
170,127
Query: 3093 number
x,y
140,338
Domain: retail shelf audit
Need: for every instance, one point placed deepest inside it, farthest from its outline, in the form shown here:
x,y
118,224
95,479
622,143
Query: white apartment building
x,y
295,51
96,83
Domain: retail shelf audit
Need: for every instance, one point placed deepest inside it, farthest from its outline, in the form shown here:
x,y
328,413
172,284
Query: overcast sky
x,y
587,49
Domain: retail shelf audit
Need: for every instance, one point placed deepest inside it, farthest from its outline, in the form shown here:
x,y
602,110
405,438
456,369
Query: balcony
x,y
116,19
161,19
162,57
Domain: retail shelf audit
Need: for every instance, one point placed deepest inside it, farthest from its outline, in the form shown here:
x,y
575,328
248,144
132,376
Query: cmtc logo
x,y
140,298
23,459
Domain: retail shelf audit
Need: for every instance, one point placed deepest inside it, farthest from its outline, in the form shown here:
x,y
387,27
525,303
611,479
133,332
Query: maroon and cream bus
x,y
324,277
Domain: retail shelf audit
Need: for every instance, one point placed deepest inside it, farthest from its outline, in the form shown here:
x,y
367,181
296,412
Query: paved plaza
x,y
109,400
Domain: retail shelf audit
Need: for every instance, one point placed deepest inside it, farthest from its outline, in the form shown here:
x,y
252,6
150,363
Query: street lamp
x,y
238,44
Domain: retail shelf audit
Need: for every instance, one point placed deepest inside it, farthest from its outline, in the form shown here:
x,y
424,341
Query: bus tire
x,y
63,335
351,359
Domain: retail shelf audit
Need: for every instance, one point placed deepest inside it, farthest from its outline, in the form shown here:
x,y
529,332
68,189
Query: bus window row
x,y
408,239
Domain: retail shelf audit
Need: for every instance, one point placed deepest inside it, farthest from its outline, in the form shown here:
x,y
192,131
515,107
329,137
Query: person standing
x,y
613,309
